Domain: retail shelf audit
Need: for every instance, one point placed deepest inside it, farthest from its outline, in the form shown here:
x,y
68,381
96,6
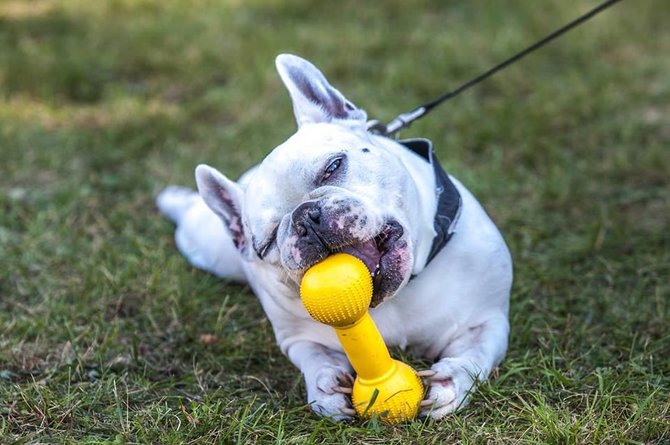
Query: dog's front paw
x,y
328,393
451,380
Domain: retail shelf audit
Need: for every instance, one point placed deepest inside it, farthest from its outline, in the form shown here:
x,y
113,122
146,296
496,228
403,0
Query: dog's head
x,y
331,187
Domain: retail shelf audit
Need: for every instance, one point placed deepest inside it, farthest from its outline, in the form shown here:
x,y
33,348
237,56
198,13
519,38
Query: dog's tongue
x,y
366,252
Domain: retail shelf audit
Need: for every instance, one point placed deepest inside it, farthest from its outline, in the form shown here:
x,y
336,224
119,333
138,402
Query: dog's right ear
x,y
224,197
314,99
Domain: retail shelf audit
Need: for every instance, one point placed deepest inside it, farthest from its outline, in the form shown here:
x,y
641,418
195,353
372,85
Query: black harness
x,y
449,202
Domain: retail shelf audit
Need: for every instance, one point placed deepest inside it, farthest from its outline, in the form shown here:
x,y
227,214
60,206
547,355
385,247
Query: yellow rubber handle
x,y
366,349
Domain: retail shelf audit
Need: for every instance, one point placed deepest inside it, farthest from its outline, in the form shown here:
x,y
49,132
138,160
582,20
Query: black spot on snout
x,y
365,150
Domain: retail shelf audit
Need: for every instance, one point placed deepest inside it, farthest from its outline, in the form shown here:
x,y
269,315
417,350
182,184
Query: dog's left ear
x,y
314,99
224,197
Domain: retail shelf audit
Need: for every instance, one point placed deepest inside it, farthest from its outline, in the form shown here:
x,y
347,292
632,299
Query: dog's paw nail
x,y
349,379
348,411
426,403
342,389
426,373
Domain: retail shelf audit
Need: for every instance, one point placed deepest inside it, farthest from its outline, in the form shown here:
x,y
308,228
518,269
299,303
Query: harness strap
x,y
449,202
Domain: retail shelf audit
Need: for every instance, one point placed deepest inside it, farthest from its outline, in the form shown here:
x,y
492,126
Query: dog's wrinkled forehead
x,y
302,164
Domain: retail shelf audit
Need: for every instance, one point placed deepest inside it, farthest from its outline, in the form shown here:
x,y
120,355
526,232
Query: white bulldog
x,y
441,270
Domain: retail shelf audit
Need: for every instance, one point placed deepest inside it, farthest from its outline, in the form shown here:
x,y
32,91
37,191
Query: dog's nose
x,y
315,215
301,230
307,215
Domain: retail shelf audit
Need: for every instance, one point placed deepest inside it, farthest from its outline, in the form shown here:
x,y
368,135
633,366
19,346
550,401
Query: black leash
x,y
405,119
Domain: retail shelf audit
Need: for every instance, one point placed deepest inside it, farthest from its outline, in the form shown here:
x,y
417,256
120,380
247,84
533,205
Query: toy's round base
x,y
393,399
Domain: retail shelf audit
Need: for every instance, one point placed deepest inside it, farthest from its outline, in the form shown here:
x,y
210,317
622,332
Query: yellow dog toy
x,y
337,291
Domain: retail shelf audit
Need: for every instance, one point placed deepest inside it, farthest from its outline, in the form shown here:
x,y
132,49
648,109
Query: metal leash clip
x,y
397,124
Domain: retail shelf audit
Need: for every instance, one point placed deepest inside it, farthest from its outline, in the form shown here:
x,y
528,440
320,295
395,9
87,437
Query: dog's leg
x,y
328,378
470,357
200,234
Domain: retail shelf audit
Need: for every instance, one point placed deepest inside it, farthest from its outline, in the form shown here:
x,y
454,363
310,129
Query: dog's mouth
x,y
386,257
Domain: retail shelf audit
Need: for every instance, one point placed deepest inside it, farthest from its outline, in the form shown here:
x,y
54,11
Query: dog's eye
x,y
332,168
263,250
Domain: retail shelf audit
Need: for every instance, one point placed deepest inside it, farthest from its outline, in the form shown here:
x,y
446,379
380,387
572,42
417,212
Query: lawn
x,y
107,335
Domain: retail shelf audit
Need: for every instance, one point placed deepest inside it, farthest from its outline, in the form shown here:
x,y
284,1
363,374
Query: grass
x,y
108,336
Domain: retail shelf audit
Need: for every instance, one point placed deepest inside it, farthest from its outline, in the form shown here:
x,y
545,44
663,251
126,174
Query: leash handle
x,y
403,120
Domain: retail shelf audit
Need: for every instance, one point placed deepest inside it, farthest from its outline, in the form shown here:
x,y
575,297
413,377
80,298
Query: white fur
x,y
453,312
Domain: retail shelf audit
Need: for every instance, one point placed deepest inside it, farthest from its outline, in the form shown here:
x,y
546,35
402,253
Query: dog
x,y
442,272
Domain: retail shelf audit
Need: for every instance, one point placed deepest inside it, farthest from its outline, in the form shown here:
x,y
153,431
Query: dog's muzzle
x,y
323,232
